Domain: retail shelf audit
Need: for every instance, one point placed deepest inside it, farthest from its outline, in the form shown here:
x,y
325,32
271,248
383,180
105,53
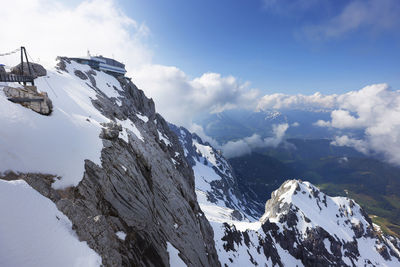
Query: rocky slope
x,y
133,199
216,184
301,226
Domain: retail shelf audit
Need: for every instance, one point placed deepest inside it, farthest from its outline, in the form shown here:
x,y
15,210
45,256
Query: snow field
x,y
35,233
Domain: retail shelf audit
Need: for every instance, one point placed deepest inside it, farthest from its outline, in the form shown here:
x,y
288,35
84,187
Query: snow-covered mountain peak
x,y
302,206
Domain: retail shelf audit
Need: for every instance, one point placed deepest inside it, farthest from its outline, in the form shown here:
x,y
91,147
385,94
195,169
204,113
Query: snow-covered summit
x,y
301,204
304,226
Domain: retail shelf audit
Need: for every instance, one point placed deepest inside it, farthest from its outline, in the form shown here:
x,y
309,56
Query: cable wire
x,y
9,53
45,78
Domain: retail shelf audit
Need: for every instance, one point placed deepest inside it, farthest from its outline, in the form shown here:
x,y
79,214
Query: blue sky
x,y
279,46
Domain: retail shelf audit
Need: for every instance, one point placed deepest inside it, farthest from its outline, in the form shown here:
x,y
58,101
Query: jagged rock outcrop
x,y
223,185
144,188
29,97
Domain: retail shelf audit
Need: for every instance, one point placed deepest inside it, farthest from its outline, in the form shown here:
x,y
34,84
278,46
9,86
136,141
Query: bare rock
x,y
80,74
29,97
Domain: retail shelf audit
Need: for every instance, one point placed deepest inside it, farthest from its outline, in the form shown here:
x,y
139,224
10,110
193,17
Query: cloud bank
x,y
374,109
246,145
180,98
284,101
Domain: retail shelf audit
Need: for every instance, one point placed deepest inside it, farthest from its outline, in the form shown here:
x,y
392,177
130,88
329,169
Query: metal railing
x,y
7,77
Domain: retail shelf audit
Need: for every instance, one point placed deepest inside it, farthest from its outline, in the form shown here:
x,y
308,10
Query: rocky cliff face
x,y
216,182
140,200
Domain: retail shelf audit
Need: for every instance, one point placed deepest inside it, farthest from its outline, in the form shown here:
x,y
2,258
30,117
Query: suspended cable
x,y
10,53
45,78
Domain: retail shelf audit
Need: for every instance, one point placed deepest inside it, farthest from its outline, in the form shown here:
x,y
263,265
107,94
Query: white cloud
x,y
344,140
284,101
322,123
244,146
375,109
375,15
180,98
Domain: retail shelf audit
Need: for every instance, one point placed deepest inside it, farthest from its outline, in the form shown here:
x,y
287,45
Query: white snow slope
x,y
33,232
64,139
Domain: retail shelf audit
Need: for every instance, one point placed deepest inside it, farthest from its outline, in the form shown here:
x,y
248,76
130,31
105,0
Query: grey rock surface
x,y
29,97
226,189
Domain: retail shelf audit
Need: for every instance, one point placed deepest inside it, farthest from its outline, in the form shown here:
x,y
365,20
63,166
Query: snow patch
x,y
174,259
142,117
35,233
129,126
207,152
164,139
121,235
